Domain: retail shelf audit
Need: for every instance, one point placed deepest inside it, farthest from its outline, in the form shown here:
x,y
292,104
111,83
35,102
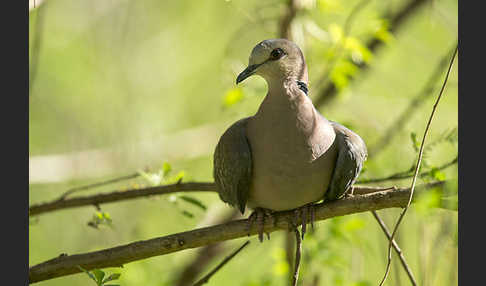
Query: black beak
x,y
249,71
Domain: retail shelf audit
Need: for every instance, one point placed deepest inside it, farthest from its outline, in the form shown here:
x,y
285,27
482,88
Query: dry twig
x,y
396,247
206,278
99,184
417,168
413,107
298,252
405,174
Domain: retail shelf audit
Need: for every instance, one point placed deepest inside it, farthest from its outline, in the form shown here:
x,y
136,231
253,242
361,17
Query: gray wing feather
x,y
352,153
233,165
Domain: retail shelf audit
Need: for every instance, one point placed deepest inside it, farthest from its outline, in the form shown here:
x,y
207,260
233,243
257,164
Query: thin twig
x,y
396,247
206,278
405,174
117,256
417,168
298,253
206,254
99,184
289,253
413,106
117,196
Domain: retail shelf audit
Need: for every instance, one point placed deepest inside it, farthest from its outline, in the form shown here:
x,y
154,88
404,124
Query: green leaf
x,y
428,201
106,216
329,6
88,273
353,224
187,214
341,73
362,283
336,32
232,96
437,174
193,201
415,142
166,168
99,274
359,51
176,178
113,276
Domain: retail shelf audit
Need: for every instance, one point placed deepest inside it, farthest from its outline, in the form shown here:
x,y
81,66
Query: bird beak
x,y
249,71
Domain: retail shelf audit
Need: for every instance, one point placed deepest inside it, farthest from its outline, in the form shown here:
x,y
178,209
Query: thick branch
x,y
117,256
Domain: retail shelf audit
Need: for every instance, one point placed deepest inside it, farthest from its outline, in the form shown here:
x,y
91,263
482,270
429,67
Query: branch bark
x,y
120,255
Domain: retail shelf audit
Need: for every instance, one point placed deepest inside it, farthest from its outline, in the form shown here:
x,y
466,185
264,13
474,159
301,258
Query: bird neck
x,y
288,88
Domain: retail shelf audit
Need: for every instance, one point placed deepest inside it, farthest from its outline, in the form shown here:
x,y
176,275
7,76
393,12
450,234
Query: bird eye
x,y
276,54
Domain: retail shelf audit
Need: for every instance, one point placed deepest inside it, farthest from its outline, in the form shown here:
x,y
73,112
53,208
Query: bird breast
x,y
293,153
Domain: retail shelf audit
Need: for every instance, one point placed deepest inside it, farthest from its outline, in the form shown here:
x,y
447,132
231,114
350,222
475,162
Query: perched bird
x,y
286,156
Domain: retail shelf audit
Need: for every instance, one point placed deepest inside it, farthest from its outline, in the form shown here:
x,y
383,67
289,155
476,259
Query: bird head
x,y
276,60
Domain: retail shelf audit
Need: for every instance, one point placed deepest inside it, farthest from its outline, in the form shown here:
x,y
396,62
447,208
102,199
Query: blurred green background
x,y
119,86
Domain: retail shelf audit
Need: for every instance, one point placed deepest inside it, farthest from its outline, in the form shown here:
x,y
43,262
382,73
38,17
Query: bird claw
x,y
258,216
306,214
349,193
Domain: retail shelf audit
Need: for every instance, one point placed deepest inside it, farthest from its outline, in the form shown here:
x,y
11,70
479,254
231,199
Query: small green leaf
x,y
415,142
106,216
166,168
232,96
428,201
342,71
353,224
437,174
193,201
89,273
187,214
99,274
113,276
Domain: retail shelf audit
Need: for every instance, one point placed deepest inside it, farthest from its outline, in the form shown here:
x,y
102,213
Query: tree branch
x,y
285,28
405,174
117,256
396,247
116,196
205,255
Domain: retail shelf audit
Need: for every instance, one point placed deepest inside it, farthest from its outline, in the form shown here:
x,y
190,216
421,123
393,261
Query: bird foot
x,y
349,193
304,214
259,215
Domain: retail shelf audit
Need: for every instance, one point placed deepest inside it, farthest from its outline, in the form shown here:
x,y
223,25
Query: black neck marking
x,y
303,86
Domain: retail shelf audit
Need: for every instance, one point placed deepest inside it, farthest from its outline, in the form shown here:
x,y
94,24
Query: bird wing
x,y
351,155
233,165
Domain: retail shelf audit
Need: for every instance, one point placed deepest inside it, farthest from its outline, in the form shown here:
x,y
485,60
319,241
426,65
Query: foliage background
x,y
119,86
